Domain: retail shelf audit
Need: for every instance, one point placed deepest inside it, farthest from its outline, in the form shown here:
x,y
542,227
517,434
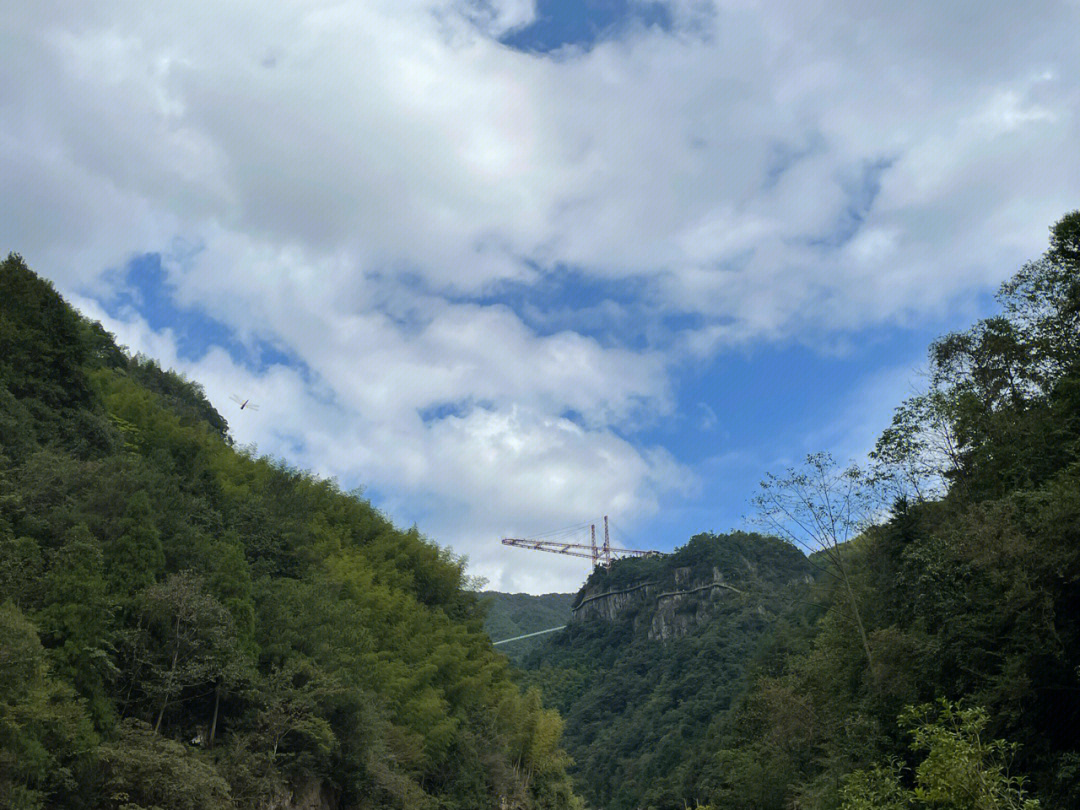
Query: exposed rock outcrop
x,y
313,795
677,612
610,605
668,613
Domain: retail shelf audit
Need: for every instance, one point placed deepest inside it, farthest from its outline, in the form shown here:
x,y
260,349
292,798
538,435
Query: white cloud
x,y
402,136
355,182
500,16
469,477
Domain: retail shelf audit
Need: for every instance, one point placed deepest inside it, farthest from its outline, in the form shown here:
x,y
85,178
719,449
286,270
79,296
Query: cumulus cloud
x,y
468,477
405,136
360,185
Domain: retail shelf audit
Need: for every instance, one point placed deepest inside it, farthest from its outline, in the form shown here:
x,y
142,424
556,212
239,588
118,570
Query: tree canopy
x,y
966,585
185,624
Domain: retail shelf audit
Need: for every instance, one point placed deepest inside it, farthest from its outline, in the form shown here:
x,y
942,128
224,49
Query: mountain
x,y
658,647
516,614
186,625
932,661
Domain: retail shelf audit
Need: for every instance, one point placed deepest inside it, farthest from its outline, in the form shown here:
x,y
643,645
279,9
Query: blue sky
x,y
509,266
565,23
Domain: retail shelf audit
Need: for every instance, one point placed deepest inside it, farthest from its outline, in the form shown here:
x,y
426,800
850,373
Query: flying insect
x,y
244,403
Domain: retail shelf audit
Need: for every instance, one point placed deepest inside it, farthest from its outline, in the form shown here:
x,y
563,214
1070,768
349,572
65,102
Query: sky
x,y
508,266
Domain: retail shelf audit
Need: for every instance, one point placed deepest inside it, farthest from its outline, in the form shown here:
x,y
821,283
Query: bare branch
x,y
820,507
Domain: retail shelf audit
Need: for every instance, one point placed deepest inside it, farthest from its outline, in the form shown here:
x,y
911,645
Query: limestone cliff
x,y
667,597
656,650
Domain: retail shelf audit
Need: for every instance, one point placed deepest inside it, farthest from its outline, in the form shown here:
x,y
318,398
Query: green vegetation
x,y
508,615
960,770
967,592
635,706
184,625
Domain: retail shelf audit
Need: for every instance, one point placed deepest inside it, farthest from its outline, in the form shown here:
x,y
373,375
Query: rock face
x,y
677,612
611,605
668,612
671,596
313,795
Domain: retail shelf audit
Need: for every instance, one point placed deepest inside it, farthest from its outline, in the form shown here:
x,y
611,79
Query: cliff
x,y
656,651
669,596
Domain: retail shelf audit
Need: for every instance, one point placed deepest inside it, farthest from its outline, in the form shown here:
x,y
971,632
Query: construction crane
x,y
602,555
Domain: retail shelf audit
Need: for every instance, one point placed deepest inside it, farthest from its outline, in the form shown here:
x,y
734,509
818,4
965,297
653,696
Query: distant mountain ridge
x,y
516,614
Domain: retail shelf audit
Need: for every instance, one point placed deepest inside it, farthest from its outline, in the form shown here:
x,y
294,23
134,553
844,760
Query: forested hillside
x,y
507,615
185,625
965,692
658,648
511,614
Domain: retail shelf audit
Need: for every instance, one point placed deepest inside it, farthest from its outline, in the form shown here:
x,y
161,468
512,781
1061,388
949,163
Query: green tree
x,y
960,769
135,557
44,733
143,771
76,617
197,642
41,355
820,507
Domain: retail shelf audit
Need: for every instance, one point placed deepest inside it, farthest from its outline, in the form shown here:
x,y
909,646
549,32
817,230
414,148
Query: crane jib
x,y
600,555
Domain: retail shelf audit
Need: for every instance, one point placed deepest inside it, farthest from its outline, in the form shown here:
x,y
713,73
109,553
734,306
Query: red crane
x,y
600,556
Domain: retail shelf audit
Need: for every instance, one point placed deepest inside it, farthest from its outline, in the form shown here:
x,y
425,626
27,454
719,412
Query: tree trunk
x,y
213,723
858,617
172,673
161,713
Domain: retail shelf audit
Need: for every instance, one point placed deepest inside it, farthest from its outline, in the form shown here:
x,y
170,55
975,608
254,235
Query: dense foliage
x,y
185,625
508,615
635,706
960,768
968,593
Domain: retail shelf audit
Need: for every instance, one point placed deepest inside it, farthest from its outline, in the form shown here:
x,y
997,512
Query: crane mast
x,y
599,556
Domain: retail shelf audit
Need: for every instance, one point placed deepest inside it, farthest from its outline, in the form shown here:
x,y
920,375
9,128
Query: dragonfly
x,y
244,403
